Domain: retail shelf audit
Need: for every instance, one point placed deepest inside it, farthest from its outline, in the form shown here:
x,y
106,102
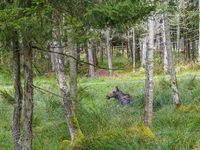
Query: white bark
x,y
164,50
171,61
133,30
144,50
108,50
147,119
91,61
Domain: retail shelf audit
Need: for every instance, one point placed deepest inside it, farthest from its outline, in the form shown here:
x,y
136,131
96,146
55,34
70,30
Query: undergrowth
x,y
108,126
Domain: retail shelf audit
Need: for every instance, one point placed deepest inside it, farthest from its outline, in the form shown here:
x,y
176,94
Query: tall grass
x,y
106,125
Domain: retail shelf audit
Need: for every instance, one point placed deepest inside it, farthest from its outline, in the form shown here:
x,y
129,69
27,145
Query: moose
x,y
118,94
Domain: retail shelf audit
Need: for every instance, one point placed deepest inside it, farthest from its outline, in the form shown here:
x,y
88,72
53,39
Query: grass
x,y
107,126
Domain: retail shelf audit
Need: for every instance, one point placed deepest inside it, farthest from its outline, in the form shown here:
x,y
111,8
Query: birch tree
x,y
164,50
91,61
108,50
170,60
147,119
133,30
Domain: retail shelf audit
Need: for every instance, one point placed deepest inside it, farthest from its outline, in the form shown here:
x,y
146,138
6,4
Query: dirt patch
x,y
101,73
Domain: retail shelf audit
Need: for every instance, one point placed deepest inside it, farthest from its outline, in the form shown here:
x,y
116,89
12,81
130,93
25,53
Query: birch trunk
x,y
147,119
67,100
101,50
164,50
28,97
18,96
91,61
52,60
108,50
171,61
128,45
144,50
133,30
72,69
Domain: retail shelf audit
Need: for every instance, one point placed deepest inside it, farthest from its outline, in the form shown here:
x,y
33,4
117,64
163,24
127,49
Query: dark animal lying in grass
x,y
118,94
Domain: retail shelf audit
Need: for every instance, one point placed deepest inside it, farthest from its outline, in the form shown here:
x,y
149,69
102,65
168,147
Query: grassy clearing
x,y
107,126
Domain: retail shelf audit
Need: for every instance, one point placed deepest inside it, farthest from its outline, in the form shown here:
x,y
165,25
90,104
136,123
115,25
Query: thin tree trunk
x,y
86,53
128,45
144,51
108,49
18,96
189,51
171,62
185,42
164,50
91,61
72,69
147,119
193,49
28,97
133,30
74,130
101,50
52,59
178,36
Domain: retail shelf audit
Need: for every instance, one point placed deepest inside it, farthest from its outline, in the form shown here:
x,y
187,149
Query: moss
x,y
146,131
78,140
74,121
66,144
193,108
142,129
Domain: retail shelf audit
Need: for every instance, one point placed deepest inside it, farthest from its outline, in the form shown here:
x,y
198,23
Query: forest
x,y
99,74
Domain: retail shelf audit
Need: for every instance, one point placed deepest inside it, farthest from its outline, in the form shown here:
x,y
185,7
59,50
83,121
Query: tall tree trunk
x,y
91,61
108,49
189,51
72,69
144,51
28,97
133,30
18,96
73,126
122,48
86,53
94,52
178,36
128,45
164,50
147,119
185,42
157,43
101,50
171,61
52,59
199,37
193,48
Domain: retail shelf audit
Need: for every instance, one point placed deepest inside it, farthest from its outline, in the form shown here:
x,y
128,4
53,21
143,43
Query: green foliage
x,y
115,13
